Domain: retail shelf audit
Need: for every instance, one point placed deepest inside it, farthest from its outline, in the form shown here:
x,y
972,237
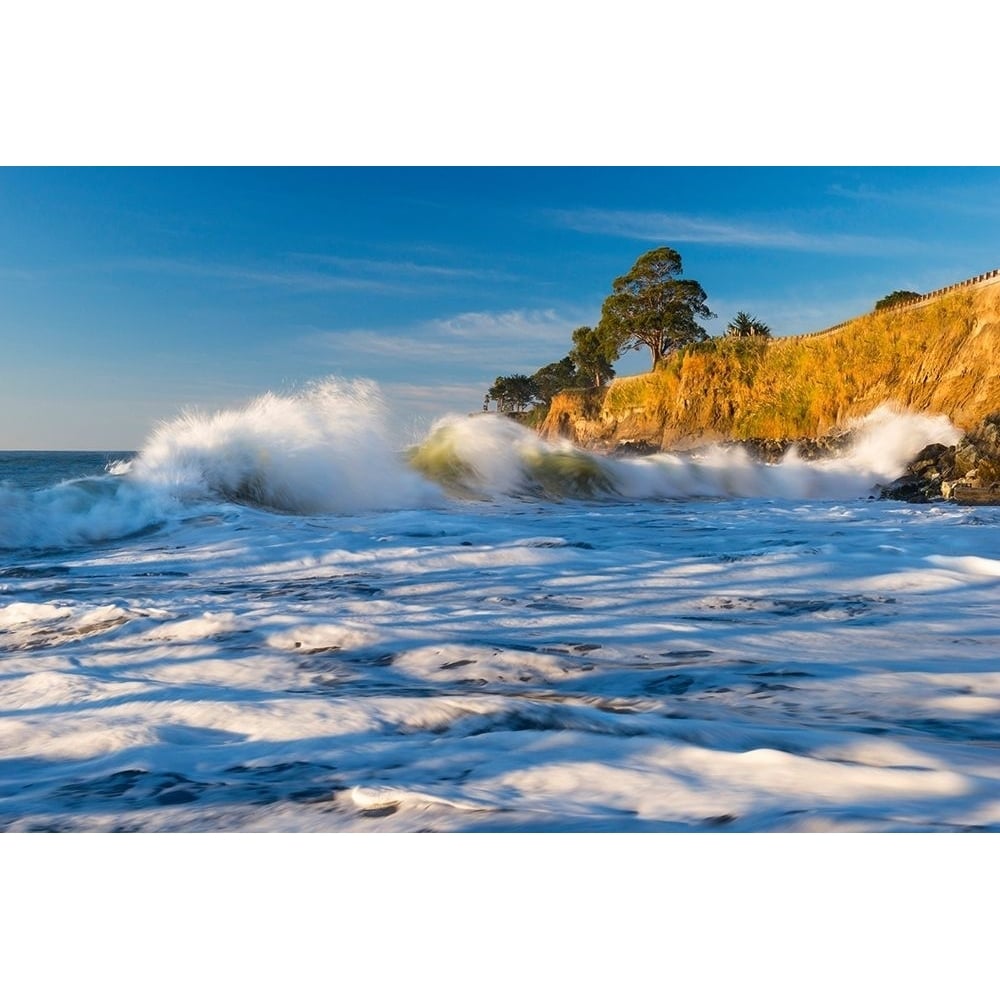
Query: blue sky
x,y
130,294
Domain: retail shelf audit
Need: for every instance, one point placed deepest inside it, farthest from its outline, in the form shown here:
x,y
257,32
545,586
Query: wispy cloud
x,y
401,268
667,226
976,199
530,325
414,408
480,342
316,273
303,280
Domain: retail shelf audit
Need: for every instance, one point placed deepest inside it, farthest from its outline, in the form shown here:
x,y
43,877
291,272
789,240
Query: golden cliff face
x,y
940,356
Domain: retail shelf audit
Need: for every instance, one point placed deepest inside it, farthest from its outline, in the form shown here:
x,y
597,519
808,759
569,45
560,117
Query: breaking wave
x,y
489,456
327,450
324,450
80,512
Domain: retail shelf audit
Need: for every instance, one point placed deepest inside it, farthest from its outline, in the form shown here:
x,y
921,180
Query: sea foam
x,y
489,456
324,450
327,449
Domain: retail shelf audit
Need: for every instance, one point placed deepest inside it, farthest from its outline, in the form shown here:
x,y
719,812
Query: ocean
x,y
280,618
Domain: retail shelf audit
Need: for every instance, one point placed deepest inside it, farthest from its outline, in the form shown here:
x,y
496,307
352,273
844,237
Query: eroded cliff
x,y
940,356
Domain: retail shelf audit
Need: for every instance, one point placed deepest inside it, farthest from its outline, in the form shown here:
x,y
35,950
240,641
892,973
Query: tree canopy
x,y
896,299
653,306
592,356
513,393
745,325
553,378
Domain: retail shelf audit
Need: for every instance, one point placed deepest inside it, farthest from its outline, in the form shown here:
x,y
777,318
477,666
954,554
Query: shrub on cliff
x,y
896,299
745,325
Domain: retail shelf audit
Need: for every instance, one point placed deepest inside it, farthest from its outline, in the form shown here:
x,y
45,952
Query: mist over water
x,y
328,450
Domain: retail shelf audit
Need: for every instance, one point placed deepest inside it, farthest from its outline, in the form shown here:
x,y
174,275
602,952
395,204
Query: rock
x,y
968,472
773,450
631,449
936,460
912,489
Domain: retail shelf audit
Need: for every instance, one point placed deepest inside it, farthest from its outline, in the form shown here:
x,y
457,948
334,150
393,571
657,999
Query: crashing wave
x,y
327,450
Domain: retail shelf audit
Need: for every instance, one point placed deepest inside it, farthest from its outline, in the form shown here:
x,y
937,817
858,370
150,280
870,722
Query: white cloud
x,y
401,268
414,408
483,342
976,199
529,324
300,280
667,226
316,273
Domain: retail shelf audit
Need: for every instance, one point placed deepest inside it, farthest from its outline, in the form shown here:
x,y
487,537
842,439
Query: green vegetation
x,y
745,325
652,306
593,357
940,358
896,299
512,393
550,379
588,364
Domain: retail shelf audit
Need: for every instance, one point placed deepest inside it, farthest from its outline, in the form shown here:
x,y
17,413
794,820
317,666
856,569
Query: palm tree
x,y
745,325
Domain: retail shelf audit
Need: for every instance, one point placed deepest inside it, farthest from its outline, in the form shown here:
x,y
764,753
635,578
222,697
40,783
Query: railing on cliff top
x,y
987,277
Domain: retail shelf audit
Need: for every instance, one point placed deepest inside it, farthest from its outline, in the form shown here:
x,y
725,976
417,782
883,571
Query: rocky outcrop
x,y
939,356
773,450
968,472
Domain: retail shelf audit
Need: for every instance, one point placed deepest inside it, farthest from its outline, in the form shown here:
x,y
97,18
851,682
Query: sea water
x,y
276,618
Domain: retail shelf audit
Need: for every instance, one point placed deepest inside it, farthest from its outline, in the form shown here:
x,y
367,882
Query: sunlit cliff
x,y
941,356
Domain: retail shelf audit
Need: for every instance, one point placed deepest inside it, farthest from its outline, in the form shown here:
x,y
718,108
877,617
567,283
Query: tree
x,y
745,325
592,355
512,392
653,306
896,299
553,378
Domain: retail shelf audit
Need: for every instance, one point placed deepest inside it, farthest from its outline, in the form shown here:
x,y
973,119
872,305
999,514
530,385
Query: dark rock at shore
x,y
770,450
968,472
634,449
811,449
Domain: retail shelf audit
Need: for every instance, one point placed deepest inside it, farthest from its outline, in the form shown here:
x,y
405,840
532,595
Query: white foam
x,y
889,437
504,458
968,565
23,613
204,626
322,450
327,449
737,665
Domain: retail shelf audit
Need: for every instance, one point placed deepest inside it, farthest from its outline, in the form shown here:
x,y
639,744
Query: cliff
x,y
941,355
